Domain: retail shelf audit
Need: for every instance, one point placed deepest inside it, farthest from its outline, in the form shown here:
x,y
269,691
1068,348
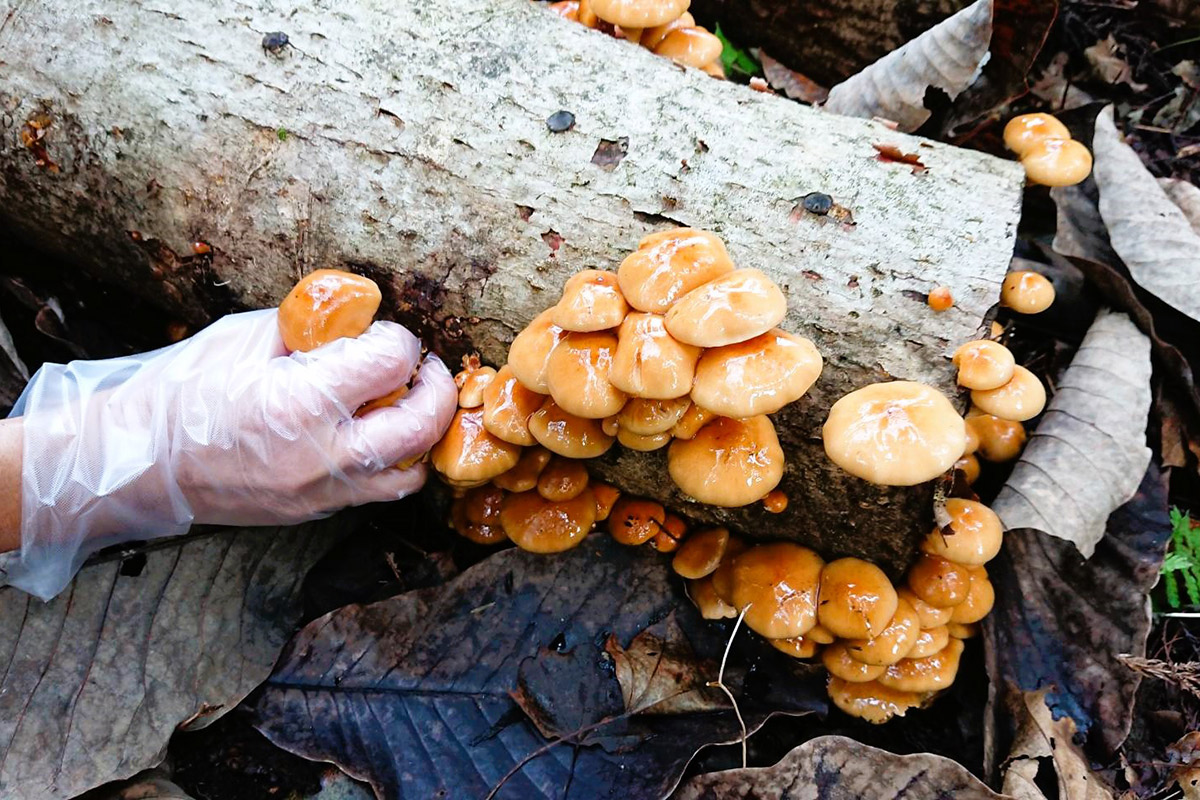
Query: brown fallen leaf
x,y
1107,58
1186,196
1054,87
793,84
890,152
947,57
660,674
1039,736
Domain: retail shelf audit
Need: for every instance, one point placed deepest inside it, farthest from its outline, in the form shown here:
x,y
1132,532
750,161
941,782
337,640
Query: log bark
x,y
408,142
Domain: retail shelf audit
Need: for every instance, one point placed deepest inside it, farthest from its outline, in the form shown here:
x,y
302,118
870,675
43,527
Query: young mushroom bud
x,y
968,465
940,298
591,301
735,307
577,375
643,444
871,701
930,616
984,364
562,479
841,664
757,376
974,537
1023,132
898,433
529,353
857,601
729,462
691,422
1057,162
705,597
568,435
777,586
635,521
1000,440
542,526
939,582
507,406
668,265
980,599
1021,399
524,476
691,47
647,417
325,305
928,674
476,515
606,498
892,643
472,383
639,13
649,363
467,455
1025,292
775,501
930,641
796,647
701,554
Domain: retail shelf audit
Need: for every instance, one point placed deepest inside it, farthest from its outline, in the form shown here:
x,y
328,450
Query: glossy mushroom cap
x,y
1057,162
968,465
892,643
577,375
647,417
693,419
668,265
541,526
820,635
758,376
639,13
568,435
1025,292
606,497
980,599
939,582
775,501
999,439
705,597
507,406
960,630
701,554
777,584
1021,399
930,641
653,37
692,47
649,363
722,578
940,298
327,304
898,433
529,353
467,455
476,515
984,364
838,661
974,537
567,9
524,476
798,647
635,521
672,533
591,301
930,616
735,307
728,462
871,701
472,383
1023,132
643,444
857,600
562,479
927,674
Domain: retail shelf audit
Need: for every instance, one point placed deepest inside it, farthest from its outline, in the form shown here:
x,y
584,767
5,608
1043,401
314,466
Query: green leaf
x,y
1172,589
1176,561
1192,585
735,59
282,134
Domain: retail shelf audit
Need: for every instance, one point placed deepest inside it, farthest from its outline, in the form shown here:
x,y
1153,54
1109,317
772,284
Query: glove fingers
x,y
355,371
391,484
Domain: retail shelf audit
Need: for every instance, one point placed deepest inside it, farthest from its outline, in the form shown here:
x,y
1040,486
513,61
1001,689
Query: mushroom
x,y
980,598
999,439
928,674
668,265
389,399
692,47
646,417
796,647
968,465
939,582
841,664
327,304
670,535
542,526
975,534
606,498
585,16
1023,132
467,455
701,554
472,383
723,576
568,435
644,444
1057,162
476,515
737,306
775,502
507,405
524,476
562,479
898,433
705,597
1022,398
648,362
820,635
691,422
639,13
567,9
857,601
757,376
776,584
634,521
940,298
591,301
892,643
577,375
1025,292
930,616
984,364
653,37
930,641
529,353
961,630
729,462
871,701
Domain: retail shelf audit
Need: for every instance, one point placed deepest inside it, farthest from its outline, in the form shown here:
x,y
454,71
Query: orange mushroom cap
x,y
577,375
871,701
723,576
930,616
542,526
693,419
668,265
706,599
606,497
930,641
975,534
939,582
562,479
649,363
643,444
999,439
797,647
476,515
758,376
524,476
529,353
777,584
507,406
981,596
737,306
467,455
892,643
927,674
1021,399
325,305
1057,162
1025,292
701,554
652,37
841,664
472,384
728,462
1023,132
984,364
639,13
635,521
591,301
568,435
647,417
857,600
692,47
968,465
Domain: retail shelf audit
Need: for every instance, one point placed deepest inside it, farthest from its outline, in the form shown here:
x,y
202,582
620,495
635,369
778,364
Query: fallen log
x,y
192,157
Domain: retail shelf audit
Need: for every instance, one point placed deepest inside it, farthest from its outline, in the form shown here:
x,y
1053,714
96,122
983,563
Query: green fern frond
x,y
1172,589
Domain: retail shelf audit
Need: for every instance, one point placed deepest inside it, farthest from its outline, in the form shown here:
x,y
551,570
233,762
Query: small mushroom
x,y
984,364
975,534
939,582
653,37
796,647
871,701
542,526
606,498
892,643
524,476
325,305
857,601
777,586
1057,162
634,521
671,535
691,422
649,363
562,479
841,664
668,265
728,462
735,307
471,385
1025,292
476,515
928,674
968,465
467,455
1000,440
930,641
638,13
701,554
591,301
643,444
961,630
647,417
723,576
507,406
775,502
1023,132
577,375
758,376
1021,399
567,9
820,635
692,47
930,616
940,298
529,353
898,433
568,435
980,598
705,597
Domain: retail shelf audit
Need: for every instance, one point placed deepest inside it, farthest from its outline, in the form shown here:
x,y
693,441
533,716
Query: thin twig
x,y
720,682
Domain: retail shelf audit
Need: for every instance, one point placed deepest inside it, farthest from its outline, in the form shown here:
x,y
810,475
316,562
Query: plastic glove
x,y
222,428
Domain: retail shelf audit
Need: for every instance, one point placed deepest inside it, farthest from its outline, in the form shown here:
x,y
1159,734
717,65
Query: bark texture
x,y
408,142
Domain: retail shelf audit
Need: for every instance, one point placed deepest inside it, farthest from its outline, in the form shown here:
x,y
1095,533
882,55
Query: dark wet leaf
x,y
416,694
793,84
610,152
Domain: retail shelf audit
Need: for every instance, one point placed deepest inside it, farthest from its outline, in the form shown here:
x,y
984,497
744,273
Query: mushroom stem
x,y
719,683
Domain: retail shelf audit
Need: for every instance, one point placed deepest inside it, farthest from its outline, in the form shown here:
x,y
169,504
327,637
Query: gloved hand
x,y
222,428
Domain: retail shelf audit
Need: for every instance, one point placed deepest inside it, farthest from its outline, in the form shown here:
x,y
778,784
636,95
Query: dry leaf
x,y
1186,196
1040,736
153,784
1148,231
793,84
838,768
1054,87
1089,452
660,674
1107,58
947,56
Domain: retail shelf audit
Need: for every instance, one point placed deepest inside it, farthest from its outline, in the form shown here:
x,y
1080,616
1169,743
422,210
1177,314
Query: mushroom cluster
x,y
661,26
1046,150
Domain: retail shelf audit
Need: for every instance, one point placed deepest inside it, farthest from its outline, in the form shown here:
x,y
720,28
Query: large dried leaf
x,y
838,768
1186,196
1148,231
438,690
1043,741
95,681
947,57
1089,451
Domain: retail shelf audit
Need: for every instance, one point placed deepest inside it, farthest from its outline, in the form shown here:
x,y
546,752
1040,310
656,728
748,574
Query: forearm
x,y
11,431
